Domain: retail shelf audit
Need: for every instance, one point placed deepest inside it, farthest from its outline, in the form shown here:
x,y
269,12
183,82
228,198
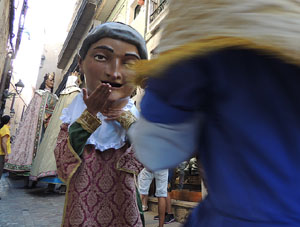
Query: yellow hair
x,y
156,66
198,27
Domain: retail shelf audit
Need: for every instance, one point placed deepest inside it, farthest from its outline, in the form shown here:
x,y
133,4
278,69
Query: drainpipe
x,y
146,20
21,25
11,22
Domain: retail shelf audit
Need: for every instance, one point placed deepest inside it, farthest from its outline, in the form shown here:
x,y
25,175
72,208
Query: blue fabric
x,y
175,90
53,180
250,143
174,115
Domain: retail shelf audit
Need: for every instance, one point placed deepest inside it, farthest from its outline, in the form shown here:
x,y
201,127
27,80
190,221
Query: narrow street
x,y
22,207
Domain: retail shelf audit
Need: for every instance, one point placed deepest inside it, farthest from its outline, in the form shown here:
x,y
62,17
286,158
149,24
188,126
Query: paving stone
x,y
22,207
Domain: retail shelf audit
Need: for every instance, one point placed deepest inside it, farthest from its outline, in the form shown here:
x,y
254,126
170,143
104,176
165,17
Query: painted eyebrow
x,y
104,48
132,55
129,54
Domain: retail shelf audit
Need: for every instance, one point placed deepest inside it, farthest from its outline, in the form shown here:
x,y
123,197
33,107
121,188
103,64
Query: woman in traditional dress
x,y
44,165
226,83
32,127
93,155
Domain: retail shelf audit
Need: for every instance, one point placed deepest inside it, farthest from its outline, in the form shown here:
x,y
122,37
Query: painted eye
x,y
129,62
100,57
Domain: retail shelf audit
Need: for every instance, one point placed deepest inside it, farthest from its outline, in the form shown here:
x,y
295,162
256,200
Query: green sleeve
x,y
78,137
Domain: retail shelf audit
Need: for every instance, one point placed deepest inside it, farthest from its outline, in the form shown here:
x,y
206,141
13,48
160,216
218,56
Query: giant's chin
x,y
117,102
120,96
116,95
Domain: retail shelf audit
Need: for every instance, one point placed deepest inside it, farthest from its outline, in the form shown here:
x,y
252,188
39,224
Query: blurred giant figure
x,y
226,84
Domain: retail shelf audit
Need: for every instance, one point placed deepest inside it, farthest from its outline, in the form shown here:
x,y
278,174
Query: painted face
x,y
50,82
105,62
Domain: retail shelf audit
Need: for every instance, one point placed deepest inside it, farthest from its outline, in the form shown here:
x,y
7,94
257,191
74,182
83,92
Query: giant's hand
x,y
114,109
96,101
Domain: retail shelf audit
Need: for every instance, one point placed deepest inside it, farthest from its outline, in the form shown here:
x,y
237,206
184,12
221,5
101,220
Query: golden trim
x,y
154,67
69,179
126,119
125,170
88,121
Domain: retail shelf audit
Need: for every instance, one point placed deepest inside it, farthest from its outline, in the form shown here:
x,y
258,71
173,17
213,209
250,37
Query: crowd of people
x,y
223,88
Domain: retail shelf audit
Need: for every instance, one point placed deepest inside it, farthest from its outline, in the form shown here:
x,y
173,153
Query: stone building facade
x,y
12,17
6,54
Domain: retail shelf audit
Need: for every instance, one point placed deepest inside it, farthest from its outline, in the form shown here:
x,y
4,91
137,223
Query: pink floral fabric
x,y
29,133
22,148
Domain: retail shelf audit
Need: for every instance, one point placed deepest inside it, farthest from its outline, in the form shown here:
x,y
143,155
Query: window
x,y
42,61
136,11
156,7
154,4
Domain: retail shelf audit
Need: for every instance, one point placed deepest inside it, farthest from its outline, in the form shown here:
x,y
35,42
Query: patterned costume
x,y
30,132
99,168
93,155
44,164
226,84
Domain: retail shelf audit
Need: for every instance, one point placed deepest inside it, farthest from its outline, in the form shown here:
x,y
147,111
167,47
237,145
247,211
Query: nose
x,y
115,70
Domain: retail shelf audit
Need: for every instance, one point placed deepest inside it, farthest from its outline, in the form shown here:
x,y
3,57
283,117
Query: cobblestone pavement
x,y
22,207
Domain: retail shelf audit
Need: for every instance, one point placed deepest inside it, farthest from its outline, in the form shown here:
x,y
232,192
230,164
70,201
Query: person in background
x,y
161,191
4,141
169,216
226,85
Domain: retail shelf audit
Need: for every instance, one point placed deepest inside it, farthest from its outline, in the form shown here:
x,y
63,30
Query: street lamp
x,y
19,87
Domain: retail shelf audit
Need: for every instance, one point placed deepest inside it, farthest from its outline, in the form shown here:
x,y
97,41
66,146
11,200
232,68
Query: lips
x,y
117,85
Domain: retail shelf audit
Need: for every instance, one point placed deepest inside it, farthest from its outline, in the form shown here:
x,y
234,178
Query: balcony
x,y
79,27
158,11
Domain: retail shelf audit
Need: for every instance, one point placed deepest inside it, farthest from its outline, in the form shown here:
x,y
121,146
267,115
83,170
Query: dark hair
x,y
4,120
43,85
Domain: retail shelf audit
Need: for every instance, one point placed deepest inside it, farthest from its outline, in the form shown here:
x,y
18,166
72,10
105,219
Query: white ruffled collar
x,y
109,135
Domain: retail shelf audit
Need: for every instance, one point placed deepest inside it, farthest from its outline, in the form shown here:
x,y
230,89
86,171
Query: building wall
x,y
119,12
153,30
75,54
76,7
49,64
4,33
139,23
153,42
53,44
63,71
79,41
